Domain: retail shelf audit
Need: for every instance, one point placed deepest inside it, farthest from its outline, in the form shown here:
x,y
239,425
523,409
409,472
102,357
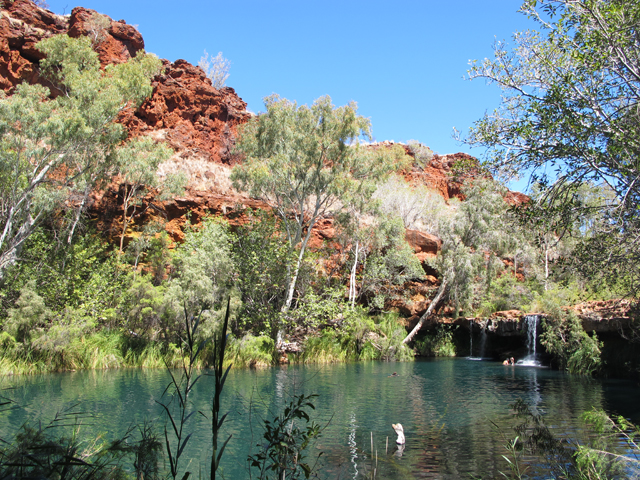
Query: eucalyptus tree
x,y
471,238
54,149
202,273
138,163
419,207
305,161
570,115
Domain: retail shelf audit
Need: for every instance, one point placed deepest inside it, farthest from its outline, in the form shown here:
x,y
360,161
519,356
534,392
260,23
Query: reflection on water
x,y
448,409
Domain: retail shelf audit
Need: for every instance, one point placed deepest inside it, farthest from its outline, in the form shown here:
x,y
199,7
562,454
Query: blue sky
x,y
404,62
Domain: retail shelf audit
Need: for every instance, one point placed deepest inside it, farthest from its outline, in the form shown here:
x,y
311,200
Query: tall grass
x,y
250,351
100,350
360,337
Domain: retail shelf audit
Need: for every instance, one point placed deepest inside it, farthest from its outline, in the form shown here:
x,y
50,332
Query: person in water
x,y
394,374
512,361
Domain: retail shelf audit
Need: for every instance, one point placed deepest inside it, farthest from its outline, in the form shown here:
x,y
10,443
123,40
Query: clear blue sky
x,y
404,62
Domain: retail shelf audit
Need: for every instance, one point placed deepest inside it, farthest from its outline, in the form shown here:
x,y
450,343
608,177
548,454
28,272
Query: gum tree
x,y
54,151
305,161
570,115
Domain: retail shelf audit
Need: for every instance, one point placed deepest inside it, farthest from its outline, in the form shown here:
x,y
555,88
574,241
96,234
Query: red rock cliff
x,y
196,119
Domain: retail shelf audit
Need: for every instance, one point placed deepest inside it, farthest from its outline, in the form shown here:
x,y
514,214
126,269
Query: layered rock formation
x,y
200,123
197,120
23,25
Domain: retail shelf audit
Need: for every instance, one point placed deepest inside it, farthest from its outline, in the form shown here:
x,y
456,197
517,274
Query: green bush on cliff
x,y
437,344
571,347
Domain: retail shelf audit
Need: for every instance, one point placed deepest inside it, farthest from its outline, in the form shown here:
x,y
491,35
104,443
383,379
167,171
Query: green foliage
x,y
328,346
283,453
262,260
478,227
145,311
178,410
357,336
316,310
30,312
507,293
609,450
437,344
568,115
250,351
73,289
390,341
202,274
83,276
65,348
52,151
39,452
303,160
390,264
572,348
215,68
357,326
421,153
419,207
138,163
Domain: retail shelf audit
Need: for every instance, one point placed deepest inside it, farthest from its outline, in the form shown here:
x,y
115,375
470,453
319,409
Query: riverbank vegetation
x,y
74,297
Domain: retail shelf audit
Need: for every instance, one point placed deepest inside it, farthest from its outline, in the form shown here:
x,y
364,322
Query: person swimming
x,y
394,374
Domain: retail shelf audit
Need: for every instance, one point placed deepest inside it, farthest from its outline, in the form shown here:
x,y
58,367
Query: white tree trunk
x,y
546,266
425,315
352,279
78,215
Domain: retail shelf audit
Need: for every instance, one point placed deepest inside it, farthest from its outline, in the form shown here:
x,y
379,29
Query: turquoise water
x,y
454,411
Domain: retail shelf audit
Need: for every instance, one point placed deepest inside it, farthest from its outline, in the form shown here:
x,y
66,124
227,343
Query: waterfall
x,y
531,321
483,340
531,324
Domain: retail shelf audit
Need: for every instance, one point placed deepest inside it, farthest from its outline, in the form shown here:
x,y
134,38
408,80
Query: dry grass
x,y
202,174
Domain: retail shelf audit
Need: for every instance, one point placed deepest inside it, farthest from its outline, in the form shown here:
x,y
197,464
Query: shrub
x,y
609,450
285,448
437,344
392,334
250,351
30,312
215,68
571,347
421,153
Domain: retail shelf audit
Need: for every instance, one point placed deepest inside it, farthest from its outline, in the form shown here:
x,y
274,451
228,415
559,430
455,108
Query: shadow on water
x,y
445,406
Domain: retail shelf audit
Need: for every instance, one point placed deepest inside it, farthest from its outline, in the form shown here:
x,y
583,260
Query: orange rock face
x,y
184,110
424,244
23,25
195,118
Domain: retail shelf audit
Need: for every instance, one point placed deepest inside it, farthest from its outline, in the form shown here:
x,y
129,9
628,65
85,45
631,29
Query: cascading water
x,y
531,323
483,340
